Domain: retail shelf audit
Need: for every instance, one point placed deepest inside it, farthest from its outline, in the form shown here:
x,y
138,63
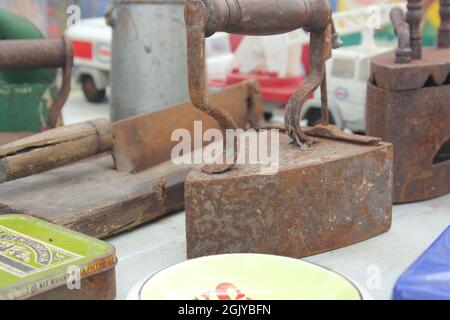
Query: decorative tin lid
x,y
36,257
248,277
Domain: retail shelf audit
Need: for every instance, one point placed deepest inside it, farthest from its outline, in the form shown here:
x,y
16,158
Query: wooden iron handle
x,y
54,148
266,17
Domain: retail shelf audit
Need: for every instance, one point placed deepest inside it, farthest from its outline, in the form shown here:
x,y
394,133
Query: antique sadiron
x,y
331,189
408,104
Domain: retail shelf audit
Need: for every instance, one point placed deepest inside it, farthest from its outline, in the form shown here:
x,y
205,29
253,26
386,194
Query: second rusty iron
x,y
408,104
234,208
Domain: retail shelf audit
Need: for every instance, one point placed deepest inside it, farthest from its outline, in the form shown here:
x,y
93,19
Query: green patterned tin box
x,y
39,260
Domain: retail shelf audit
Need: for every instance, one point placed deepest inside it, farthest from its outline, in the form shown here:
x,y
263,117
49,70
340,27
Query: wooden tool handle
x,y
54,148
266,17
31,54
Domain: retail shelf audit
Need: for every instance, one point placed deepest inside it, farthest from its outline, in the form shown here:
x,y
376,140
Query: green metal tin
x,y
39,260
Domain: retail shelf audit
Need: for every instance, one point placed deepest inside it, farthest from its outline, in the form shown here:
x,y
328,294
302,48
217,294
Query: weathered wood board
x,y
92,198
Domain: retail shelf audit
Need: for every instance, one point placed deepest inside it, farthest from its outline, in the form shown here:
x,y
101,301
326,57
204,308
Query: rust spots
x,y
285,214
160,191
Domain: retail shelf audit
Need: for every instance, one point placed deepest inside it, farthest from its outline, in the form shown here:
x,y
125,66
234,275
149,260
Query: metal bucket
x,y
149,56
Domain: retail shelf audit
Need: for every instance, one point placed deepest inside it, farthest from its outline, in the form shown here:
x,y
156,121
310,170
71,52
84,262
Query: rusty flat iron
x,y
331,189
408,104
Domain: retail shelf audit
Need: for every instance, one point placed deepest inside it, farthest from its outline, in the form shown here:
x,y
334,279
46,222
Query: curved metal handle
x,y
32,54
262,17
196,17
318,56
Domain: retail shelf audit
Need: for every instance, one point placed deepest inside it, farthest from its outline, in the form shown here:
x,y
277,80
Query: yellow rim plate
x,y
248,277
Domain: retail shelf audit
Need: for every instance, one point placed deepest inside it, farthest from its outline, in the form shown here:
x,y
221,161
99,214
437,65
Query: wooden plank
x,y
92,198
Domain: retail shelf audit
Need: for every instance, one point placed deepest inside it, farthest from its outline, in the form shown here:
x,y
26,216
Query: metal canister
x,y
149,56
41,261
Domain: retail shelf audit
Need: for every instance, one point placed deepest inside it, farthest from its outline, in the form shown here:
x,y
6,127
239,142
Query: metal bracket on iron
x,y
321,45
196,16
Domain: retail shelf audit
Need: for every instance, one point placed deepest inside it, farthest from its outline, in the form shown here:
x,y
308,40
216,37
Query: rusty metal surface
x,y
408,105
145,141
432,69
333,132
329,196
32,54
408,29
417,122
319,53
205,17
265,17
233,211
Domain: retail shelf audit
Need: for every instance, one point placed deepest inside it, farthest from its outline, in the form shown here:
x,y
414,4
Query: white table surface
x,y
375,264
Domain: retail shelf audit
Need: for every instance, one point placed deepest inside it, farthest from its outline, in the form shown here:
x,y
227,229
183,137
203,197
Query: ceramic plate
x,y
247,277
